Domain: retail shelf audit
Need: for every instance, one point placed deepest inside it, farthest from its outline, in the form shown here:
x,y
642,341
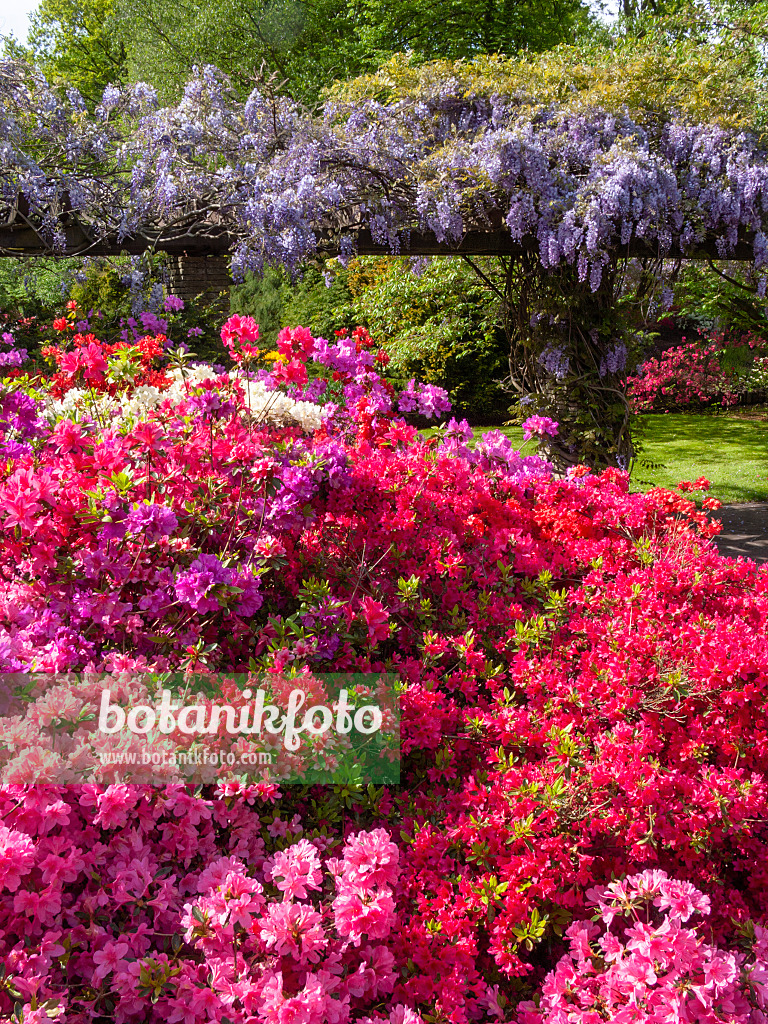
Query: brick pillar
x,y
192,276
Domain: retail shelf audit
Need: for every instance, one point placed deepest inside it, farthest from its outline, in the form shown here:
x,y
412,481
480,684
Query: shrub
x,y
439,323
584,681
687,376
719,368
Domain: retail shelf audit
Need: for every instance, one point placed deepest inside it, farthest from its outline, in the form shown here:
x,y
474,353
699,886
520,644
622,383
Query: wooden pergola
x,y
212,237
199,249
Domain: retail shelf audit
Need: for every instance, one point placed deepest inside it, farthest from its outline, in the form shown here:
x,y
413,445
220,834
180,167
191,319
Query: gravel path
x,y
745,531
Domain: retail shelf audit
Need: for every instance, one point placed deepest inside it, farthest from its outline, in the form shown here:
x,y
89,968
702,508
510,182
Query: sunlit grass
x,y
731,453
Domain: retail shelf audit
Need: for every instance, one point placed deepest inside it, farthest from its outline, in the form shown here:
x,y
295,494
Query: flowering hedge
x,y
584,680
715,370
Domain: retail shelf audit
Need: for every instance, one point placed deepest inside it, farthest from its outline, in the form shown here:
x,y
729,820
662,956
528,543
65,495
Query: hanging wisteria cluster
x,y
577,184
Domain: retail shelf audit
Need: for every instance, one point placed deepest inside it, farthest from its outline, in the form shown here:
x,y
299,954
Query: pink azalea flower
x,y
293,929
362,912
539,426
376,617
109,959
297,869
371,859
16,857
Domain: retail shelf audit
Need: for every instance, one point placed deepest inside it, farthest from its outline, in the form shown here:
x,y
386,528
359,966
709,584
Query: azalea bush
x,y
156,312
654,964
687,376
582,679
713,370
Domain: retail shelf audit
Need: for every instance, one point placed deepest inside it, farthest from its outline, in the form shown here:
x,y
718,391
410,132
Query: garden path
x,y
745,530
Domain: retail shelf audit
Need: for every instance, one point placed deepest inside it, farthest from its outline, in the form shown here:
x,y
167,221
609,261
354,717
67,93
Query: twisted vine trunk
x,y
567,359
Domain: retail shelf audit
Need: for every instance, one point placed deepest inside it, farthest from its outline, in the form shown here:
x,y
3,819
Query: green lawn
x,y
732,453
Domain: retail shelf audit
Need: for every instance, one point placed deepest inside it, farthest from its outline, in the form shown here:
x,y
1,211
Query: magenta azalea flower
x,y
539,426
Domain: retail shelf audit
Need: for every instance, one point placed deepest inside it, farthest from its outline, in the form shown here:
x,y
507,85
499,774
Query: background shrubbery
x,y
435,319
715,369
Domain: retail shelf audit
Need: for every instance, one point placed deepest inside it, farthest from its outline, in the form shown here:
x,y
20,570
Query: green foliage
x,y
457,29
35,291
440,325
263,298
721,296
306,44
274,302
30,290
102,289
303,46
321,306
653,77
31,287
79,43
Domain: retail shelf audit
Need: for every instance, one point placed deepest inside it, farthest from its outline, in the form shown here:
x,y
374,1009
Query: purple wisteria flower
x,y
614,360
577,181
555,361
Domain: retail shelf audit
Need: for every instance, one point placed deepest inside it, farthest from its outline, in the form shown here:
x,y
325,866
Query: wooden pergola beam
x,y
501,243
24,241
214,240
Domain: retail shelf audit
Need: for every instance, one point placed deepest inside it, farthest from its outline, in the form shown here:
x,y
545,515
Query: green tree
x,y
77,43
455,29
305,44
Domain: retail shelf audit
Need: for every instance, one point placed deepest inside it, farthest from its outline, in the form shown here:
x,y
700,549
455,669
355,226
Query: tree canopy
x,y
77,43
305,44
455,29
